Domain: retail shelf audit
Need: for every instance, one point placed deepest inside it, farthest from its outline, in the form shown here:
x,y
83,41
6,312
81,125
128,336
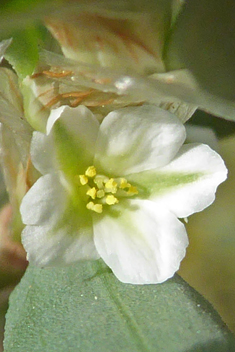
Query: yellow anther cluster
x,y
98,208
110,200
100,193
99,181
102,189
132,191
90,171
83,179
111,186
124,183
92,192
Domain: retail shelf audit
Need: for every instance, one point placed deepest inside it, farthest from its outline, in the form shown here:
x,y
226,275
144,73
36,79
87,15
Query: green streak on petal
x,y
154,182
73,158
76,219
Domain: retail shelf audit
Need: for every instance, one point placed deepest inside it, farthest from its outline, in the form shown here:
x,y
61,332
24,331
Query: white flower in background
x,y
116,191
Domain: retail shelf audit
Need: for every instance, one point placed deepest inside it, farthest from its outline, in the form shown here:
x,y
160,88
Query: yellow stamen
x,y
100,193
124,183
110,200
132,190
90,205
99,181
111,186
98,208
102,189
90,171
92,192
83,180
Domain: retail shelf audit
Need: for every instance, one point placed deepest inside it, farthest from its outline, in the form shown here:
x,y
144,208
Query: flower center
x,y
103,190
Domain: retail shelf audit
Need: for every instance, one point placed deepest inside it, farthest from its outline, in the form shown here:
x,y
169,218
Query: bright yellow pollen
x,y
124,183
92,192
111,186
103,189
90,205
132,190
100,180
100,193
90,171
83,180
110,200
98,208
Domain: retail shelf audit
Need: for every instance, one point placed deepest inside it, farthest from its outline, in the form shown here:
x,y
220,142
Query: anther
x,y
124,183
111,186
83,180
98,208
100,193
92,192
99,181
132,191
110,200
90,171
90,205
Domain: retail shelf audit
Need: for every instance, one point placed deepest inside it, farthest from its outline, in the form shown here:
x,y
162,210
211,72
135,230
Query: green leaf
x,y
203,41
20,21
23,51
19,14
19,5
85,308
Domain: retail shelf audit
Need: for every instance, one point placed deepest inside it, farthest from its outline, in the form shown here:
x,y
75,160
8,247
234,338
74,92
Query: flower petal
x,y
43,153
190,180
55,232
128,42
75,131
46,248
143,245
136,139
45,200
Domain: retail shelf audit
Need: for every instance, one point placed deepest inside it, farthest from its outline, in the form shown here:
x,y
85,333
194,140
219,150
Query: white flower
x,y
116,191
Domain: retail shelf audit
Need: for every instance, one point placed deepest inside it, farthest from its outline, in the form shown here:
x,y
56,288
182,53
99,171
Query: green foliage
x,y
203,41
85,308
20,20
23,52
19,5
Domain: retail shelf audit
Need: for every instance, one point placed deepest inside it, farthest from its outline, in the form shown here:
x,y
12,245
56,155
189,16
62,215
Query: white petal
x,y
79,121
192,197
47,248
75,132
45,199
50,238
136,139
143,245
54,116
43,153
